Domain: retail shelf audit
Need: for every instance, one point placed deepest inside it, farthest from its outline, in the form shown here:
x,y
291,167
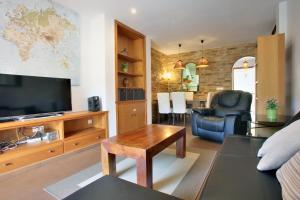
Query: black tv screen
x,y
29,95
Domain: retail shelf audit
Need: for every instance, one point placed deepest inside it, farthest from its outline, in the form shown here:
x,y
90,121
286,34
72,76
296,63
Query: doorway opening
x,y
244,78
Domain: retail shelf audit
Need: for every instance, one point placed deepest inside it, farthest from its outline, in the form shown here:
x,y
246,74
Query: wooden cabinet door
x,y
126,120
139,109
270,72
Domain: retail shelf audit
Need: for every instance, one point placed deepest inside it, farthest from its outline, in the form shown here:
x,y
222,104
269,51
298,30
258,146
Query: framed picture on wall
x,y
190,78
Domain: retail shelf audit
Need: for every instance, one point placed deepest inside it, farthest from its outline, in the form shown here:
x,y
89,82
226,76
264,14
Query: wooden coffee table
x,y
142,145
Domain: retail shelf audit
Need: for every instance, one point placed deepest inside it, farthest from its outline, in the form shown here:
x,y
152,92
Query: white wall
x,y
92,71
110,73
92,65
293,52
148,80
289,23
282,17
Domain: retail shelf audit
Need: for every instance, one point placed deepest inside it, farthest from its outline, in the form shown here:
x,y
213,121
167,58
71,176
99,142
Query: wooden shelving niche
x,y
130,78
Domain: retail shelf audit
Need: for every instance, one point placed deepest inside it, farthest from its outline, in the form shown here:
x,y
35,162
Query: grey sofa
x,y
234,175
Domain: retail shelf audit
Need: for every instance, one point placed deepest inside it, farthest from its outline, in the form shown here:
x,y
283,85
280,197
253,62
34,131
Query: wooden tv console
x,y
76,130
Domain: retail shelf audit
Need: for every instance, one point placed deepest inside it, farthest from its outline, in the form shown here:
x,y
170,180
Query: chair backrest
x,y
179,102
189,96
164,103
209,99
231,100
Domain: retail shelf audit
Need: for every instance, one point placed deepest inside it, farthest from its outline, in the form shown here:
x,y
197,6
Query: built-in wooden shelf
x,y
84,132
131,114
129,74
24,148
131,101
76,130
129,58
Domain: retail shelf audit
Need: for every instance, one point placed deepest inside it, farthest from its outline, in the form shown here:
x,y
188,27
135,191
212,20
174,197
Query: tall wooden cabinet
x,y
130,78
270,73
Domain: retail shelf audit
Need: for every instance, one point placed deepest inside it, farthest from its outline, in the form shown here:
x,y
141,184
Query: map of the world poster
x,y
39,38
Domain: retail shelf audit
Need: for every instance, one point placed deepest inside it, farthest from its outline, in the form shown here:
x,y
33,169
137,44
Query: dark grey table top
x,y
112,188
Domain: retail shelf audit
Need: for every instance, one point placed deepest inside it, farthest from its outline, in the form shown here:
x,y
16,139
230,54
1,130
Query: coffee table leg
x,y
144,171
108,162
181,147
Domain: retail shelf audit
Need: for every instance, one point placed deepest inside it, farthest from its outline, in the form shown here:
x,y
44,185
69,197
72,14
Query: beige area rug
x,y
182,178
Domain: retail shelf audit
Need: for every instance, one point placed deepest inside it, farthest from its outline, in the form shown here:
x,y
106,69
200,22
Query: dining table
x,y
195,103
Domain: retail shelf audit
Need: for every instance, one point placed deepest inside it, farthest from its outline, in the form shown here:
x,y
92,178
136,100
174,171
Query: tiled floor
x,y
28,183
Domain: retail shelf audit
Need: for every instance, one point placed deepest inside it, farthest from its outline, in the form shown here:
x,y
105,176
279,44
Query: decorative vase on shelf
x,y
125,67
125,82
272,114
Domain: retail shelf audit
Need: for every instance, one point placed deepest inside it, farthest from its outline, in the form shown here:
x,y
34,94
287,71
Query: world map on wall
x,y
39,37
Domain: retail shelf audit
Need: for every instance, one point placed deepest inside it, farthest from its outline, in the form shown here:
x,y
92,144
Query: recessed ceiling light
x,y
133,11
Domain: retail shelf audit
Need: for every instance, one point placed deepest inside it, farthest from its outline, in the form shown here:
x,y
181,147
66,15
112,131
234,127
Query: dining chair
x,y
210,95
179,104
164,106
189,96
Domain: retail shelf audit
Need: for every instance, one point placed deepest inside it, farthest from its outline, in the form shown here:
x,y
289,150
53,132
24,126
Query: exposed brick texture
x,y
217,74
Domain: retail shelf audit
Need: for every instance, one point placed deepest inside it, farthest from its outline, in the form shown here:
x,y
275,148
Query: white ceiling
x,y
168,22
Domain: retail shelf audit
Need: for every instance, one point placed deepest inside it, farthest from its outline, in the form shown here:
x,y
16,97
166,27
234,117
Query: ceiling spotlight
x,y
133,11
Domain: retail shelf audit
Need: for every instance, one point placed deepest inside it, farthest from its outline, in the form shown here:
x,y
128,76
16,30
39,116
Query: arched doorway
x,y
243,77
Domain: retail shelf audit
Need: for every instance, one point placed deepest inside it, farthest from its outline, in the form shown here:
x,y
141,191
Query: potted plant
x,y
125,67
272,107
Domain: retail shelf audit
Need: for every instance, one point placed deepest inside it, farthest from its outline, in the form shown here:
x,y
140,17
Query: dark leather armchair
x,y
229,114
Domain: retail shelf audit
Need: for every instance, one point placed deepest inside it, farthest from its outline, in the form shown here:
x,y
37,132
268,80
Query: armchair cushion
x,y
211,123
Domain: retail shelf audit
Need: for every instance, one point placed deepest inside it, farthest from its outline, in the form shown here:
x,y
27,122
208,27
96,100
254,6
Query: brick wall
x,y
217,74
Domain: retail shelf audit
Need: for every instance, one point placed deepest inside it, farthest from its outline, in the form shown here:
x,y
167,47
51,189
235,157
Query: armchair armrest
x,y
231,123
204,111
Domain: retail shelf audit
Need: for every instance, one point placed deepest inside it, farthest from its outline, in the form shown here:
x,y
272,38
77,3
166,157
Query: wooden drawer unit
x,y
13,160
131,116
79,142
75,130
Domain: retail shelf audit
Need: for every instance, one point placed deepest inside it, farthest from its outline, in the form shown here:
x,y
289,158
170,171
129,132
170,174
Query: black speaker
x,y
122,94
94,104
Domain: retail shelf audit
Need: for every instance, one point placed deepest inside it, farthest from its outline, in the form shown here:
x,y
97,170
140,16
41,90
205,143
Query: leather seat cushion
x,y
234,175
215,124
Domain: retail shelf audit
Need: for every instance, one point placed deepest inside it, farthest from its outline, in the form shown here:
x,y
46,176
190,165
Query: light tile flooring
x,y
28,183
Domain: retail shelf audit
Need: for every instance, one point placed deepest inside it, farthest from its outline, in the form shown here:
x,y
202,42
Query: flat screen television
x,y
30,95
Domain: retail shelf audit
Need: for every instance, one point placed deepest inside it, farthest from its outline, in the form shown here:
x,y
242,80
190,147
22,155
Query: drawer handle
x,y
8,164
76,144
134,110
98,137
51,151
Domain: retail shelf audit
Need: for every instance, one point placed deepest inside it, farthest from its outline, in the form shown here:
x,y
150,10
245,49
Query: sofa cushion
x,y
234,175
289,177
215,124
280,147
241,146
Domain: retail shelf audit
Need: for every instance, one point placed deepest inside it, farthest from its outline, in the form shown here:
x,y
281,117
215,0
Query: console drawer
x,y
83,141
13,160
